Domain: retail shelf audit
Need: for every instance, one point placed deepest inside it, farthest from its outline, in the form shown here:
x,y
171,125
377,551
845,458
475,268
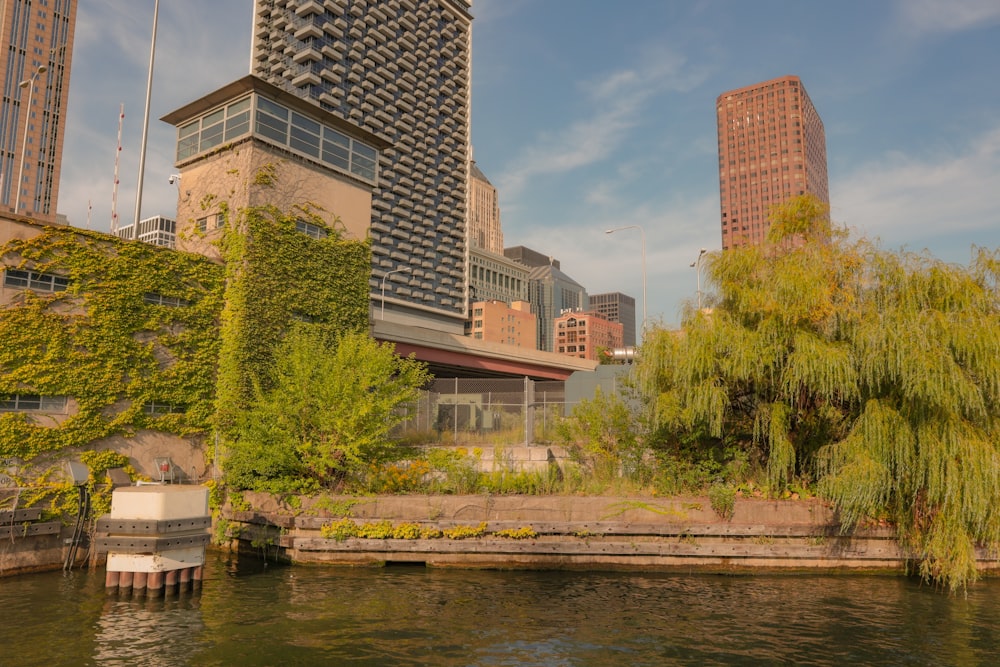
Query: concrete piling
x,y
155,538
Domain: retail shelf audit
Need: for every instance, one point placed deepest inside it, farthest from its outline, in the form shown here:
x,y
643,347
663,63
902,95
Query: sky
x,y
589,115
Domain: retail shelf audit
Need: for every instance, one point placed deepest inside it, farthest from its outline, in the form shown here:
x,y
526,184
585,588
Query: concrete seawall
x,y
566,532
28,544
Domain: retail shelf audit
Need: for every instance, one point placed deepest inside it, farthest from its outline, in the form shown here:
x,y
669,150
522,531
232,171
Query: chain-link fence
x,y
464,411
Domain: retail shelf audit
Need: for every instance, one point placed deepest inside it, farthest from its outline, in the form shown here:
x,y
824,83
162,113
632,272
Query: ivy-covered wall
x,y
276,277
101,344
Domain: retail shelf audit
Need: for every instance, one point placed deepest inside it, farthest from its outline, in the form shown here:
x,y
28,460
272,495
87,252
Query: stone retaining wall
x,y
582,533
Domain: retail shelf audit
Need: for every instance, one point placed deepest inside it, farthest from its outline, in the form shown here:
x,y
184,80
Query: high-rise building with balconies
x,y
399,69
772,147
36,47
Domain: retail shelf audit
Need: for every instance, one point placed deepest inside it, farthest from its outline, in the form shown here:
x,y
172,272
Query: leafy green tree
x,y
328,413
275,274
601,431
875,372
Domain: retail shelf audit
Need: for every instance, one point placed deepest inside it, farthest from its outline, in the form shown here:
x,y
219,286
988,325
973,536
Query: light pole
x,y
30,85
642,235
696,265
145,123
387,274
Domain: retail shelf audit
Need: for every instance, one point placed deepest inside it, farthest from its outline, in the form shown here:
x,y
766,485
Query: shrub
x,y
339,530
465,532
522,533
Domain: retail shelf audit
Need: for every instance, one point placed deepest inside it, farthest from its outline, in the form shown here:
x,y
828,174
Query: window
x,y
309,229
187,140
337,150
363,161
299,133
40,282
305,135
271,121
161,300
213,221
212,127
237,119
33,402
157,409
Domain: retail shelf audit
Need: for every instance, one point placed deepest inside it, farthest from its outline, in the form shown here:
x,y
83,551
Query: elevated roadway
x,y
450,355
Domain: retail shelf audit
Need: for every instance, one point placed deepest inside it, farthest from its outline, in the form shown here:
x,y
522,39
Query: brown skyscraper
x,y
36,41
772,147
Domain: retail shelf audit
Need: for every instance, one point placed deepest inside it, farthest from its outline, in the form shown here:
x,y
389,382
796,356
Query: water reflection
x,y
416,616
158,632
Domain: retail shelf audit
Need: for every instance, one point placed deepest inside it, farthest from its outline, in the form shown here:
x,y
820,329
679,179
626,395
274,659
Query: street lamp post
x,y
30,85
387,274
145,123
642,235
696,265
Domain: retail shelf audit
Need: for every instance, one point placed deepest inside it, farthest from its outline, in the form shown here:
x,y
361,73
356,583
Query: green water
x,y
416,616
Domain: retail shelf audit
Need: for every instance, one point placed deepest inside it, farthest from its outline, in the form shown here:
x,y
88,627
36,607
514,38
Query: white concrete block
x,y
159,502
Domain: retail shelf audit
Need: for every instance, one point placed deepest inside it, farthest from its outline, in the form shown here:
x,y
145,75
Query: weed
x,y
336,508
723,500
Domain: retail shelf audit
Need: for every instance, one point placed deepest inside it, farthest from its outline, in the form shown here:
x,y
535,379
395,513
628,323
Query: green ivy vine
x,y
101,345
110,352
278,277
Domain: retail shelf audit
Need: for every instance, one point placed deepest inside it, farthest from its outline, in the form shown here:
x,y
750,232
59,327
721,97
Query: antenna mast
x,y
114,192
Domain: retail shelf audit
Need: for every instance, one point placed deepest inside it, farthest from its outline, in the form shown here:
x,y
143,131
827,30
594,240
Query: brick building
x,y
582,334
772,147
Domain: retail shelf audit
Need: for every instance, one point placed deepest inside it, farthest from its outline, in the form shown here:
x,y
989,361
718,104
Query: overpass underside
x,y
451,355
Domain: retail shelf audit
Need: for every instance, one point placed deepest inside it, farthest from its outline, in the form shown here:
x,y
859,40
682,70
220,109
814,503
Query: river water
x,y
407,615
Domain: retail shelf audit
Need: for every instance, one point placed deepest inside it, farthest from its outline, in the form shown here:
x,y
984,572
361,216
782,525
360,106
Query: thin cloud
x,y
581,144
618,100
674,231
947,16
906,199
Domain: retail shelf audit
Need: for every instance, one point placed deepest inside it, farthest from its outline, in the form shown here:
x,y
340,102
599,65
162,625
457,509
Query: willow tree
x,y
875,372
